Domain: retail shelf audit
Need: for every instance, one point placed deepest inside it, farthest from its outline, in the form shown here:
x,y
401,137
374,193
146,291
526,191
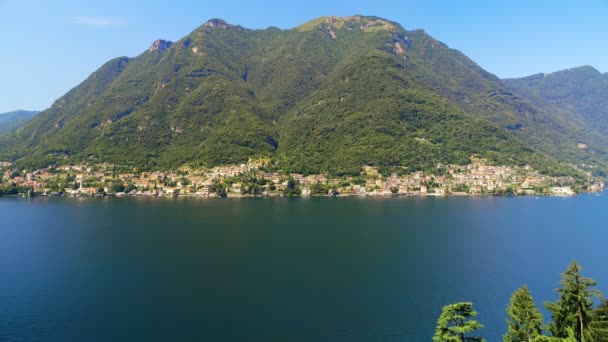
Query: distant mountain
x,y
579,95
327,96
9,122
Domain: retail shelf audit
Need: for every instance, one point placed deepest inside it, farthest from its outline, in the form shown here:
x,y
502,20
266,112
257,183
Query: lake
x,y
317,269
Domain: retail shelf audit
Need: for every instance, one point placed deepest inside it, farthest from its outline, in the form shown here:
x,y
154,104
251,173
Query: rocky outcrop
x,y
160,45
185,43
400,44
217,23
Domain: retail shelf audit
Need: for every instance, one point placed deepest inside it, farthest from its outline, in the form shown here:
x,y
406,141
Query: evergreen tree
x,y
599,323
455,323
574,308
219,188
543,338
292,187
525,321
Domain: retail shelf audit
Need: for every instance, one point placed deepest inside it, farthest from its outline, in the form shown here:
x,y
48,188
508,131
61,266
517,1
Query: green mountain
x,y
10,121
329,96
579,95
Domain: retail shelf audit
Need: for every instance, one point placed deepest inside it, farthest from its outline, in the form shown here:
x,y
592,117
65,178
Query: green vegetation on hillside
x,y
9,122
327,97
578,96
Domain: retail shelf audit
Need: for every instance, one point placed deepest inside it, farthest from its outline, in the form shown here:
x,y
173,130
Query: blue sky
x,y
48,47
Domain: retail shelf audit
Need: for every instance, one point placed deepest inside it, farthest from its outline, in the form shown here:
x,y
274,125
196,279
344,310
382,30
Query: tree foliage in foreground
x,y
599,324
574,308
575,318
524,320
456,323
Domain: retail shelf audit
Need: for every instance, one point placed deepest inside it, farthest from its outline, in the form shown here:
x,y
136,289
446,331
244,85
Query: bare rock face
x,y
160,45
185,44
401,44
197,51
398,48
216,23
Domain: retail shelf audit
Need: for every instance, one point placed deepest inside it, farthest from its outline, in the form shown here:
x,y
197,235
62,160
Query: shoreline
x,y
254,179
347,195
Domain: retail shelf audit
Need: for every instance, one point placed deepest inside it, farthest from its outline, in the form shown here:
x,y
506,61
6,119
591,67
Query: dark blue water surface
x,y
282,269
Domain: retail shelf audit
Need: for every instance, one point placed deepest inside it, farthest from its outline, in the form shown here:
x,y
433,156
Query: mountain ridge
x,y
576,94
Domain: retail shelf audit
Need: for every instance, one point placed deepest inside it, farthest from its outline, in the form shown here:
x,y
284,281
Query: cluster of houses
x,y
477,178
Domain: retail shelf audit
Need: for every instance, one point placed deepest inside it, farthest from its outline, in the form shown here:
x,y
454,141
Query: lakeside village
x,y
255,179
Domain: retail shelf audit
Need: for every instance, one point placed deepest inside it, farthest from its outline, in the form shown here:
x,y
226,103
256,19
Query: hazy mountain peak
x,y
580,70
587,68
160,45
20,112
9,122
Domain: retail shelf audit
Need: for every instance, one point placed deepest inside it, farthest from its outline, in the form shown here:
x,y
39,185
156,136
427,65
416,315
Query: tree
x,y
250,186
574,308
218,188
455,323
292,187
117,187
599,323
318,188
130,187
544,338
525,321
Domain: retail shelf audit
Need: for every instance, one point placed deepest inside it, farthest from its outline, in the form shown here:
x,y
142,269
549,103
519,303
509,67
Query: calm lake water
x,y
282,269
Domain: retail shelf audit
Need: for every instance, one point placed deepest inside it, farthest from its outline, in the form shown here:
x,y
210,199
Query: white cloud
x,y
99,21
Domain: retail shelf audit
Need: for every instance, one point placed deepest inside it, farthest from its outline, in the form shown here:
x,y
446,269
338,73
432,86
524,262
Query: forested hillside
x,y
328,96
